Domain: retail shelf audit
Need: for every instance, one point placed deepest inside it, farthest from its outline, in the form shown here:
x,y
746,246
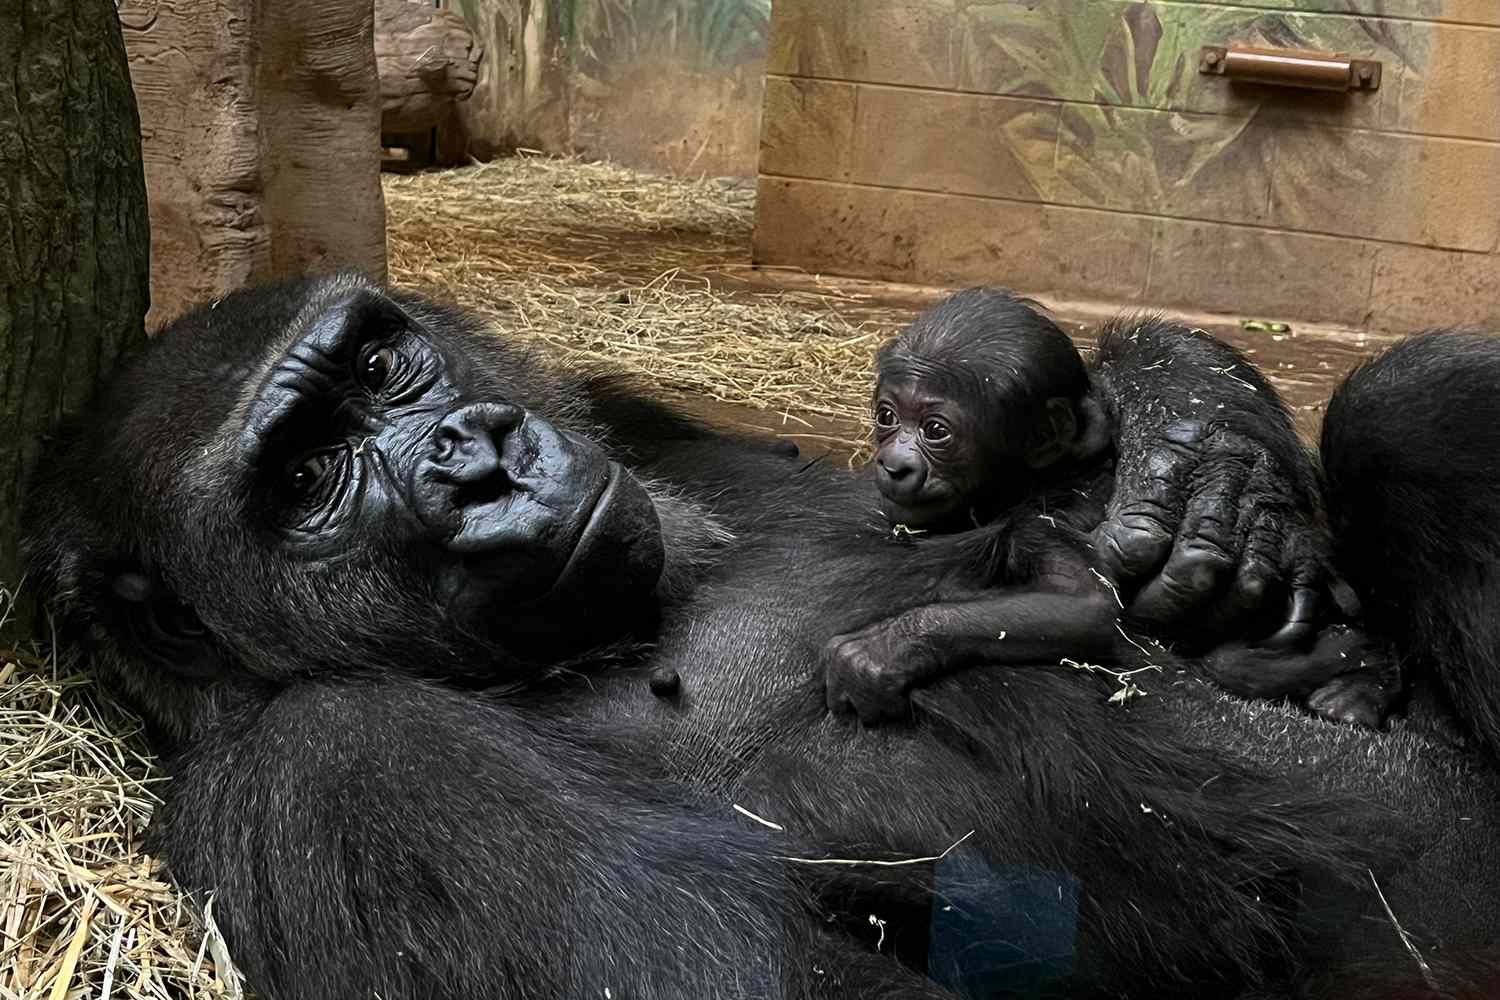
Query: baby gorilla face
x,y
934,462
977,397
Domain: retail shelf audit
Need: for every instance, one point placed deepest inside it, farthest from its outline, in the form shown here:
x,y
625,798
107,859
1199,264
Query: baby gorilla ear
x,y
1055,435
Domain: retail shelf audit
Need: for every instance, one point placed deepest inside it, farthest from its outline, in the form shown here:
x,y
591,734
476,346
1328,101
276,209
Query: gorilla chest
x,y
747,666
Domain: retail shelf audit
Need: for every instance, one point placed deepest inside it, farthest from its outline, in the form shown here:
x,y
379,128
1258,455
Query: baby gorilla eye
x,y
936,431
885,417
375,367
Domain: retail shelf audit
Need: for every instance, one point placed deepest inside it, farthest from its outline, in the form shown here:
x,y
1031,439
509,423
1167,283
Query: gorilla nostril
x,y
476,422
467,443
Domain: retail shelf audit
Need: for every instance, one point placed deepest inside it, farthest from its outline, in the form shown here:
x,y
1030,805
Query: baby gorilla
x,y
981,401
992,439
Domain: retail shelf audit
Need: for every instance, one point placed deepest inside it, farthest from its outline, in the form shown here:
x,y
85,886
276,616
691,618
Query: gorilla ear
x,y
1053,438
1096,434
159,627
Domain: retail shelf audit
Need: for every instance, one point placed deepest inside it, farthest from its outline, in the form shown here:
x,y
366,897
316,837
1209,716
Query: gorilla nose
x,y
899,478
465,446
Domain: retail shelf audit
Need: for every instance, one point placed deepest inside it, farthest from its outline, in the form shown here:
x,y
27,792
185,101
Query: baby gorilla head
x,y
978,400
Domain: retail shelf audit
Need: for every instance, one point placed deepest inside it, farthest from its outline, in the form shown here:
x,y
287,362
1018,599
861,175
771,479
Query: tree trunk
x,y
262,141
73,230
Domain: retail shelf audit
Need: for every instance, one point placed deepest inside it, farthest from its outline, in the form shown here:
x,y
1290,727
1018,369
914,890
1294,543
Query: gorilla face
x,y
367,435
332,476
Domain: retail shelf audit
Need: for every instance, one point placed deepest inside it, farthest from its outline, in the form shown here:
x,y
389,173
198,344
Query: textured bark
x,y
320,128
73,230
428,61
261,132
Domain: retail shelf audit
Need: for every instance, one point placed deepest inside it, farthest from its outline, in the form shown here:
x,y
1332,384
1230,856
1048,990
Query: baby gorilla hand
x,y
871,672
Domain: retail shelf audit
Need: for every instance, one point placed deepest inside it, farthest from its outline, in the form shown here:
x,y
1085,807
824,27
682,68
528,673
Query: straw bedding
x,y
648,273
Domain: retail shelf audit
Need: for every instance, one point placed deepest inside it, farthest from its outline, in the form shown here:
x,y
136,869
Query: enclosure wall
x,y
1072,148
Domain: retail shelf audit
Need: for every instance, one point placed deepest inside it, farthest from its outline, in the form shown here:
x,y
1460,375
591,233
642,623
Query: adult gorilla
x,y
388,591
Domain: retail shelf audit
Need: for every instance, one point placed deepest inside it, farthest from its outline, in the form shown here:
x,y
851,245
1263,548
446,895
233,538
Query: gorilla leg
x,y
1343,675
1410,445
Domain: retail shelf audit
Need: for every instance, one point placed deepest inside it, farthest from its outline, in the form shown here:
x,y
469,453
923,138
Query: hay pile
x,y
83,913
649,273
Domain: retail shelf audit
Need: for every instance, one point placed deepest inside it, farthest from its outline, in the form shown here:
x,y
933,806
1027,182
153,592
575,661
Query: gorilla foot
x,y
1358,698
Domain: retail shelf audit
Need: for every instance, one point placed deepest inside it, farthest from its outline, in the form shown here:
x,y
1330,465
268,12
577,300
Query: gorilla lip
x,y
591,528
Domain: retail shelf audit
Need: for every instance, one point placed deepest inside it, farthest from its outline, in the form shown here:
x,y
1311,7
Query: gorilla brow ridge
x,y
980,334
297,333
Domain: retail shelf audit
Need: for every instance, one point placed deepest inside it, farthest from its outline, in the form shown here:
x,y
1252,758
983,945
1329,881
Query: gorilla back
x,y
1411,445
387,590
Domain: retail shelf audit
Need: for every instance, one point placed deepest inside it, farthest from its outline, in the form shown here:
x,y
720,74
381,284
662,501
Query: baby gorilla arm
x,y
1342,676
872,672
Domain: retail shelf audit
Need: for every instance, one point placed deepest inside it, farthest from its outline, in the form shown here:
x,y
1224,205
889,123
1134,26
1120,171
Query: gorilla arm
x,y
1217,516
454,849
872,672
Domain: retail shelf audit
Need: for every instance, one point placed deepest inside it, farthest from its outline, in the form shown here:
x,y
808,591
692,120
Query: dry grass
x,y
83,911
604,264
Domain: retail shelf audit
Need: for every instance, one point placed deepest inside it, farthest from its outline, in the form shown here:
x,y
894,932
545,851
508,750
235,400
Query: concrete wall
x,y
1071,148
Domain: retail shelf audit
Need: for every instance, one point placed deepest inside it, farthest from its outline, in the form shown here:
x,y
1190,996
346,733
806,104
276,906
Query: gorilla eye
x,y
936,431
308,473
375,367
885,417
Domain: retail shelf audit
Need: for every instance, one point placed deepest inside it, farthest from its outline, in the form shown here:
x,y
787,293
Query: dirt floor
x,y
654,274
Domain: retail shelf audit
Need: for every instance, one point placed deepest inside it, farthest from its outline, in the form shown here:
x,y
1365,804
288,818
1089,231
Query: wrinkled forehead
x,y
918,373
315,329
191,397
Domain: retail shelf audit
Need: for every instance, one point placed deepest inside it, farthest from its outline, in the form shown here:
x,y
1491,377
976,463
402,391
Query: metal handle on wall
x,y
1289,68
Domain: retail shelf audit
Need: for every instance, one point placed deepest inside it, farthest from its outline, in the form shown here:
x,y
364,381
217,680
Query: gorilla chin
x,y
939,514
621,545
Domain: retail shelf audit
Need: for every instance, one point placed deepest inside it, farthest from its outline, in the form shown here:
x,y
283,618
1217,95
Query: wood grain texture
x,y
1035,117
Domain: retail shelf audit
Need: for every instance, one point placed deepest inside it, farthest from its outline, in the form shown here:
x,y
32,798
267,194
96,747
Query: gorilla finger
x,y
882,706
1344,597
1357,699
1257,588
838,703
1132,547
1192,577
835,696
1301,620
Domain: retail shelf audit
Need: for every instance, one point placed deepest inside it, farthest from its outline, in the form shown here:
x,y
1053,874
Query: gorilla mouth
x,y
592,529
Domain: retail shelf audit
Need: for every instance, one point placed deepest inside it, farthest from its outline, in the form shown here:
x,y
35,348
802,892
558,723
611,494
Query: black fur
x,y
391,806
1411,445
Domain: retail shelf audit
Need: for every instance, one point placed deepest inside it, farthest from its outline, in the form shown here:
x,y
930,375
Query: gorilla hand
x,y
871,672
1214,533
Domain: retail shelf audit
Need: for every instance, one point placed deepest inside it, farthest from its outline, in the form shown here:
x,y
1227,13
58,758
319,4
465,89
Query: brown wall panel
x,y
1016,141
